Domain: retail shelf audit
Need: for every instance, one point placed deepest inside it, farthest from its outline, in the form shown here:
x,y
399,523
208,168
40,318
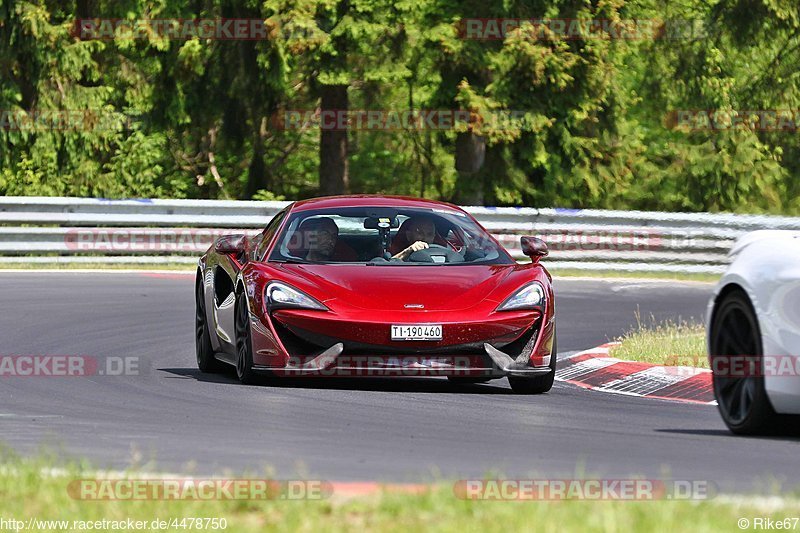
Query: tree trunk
x,y
470,155
257,177
333,172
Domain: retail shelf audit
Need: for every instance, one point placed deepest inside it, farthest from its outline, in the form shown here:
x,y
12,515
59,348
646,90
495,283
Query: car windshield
x,y
386,236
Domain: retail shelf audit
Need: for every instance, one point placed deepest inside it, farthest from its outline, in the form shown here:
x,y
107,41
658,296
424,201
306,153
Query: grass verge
x,y
98,266
29,489
669,343
558,273
622,274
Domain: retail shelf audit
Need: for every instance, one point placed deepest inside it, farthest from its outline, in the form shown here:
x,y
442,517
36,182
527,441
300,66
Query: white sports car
x,y
753,335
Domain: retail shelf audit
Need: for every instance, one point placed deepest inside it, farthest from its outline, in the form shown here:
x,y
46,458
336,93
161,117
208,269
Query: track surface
x,y
176,419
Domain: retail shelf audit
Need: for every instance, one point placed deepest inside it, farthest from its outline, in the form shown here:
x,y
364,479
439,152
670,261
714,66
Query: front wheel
x,y
204,353
741,399
244,346
536,384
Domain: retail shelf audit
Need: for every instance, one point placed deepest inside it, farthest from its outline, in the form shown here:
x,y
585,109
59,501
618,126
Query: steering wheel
x,y
436,253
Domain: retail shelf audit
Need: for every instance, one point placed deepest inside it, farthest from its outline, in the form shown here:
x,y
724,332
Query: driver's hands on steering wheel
x,y
416,247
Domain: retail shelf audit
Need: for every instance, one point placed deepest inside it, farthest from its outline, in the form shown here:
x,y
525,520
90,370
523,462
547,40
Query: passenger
x,y
320,237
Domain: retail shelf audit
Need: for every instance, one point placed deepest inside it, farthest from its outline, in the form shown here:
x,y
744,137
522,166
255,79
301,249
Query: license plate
x,y
417,332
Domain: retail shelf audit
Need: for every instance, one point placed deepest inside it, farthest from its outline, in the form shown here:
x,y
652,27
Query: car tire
x,y
742,401
206,361
536,384
244,346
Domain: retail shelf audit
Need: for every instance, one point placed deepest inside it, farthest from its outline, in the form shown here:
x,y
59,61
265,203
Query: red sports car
x,y
376,286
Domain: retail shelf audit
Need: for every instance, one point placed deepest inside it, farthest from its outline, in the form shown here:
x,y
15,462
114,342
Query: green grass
x,y
28,490
670,343
560,273
616,274
98,266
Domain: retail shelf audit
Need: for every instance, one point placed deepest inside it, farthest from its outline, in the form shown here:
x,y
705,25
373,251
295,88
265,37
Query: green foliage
x,y
268,196
566,122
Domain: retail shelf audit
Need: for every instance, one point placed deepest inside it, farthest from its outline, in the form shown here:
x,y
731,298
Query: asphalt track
x,y
175,419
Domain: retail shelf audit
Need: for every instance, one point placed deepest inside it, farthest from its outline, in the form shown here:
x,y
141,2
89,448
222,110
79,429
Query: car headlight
x,y
280,295
531,296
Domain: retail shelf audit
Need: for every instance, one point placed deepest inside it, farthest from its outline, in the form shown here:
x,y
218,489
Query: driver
x,y
420,231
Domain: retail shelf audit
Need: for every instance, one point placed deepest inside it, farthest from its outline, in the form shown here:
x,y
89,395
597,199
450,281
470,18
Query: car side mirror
x,y
230,244
534,247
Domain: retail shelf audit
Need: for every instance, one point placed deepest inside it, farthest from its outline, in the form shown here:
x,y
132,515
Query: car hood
x,y
437,288
780,237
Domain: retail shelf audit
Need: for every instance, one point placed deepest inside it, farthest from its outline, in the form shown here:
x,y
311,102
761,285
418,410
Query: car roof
x,y
371,200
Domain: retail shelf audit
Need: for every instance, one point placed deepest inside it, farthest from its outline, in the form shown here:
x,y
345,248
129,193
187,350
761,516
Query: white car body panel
x,y
766,264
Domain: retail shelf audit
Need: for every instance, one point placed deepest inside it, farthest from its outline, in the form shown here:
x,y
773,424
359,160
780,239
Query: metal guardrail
x,y
85,230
